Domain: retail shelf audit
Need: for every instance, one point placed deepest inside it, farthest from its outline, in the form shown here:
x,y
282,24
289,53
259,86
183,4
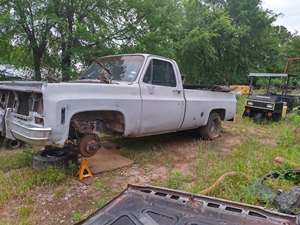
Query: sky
x,y
290,10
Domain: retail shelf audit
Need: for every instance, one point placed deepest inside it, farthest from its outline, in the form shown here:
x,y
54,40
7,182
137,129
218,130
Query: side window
x,y
160,73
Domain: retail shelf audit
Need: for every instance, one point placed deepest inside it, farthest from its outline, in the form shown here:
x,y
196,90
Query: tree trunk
x,y
65,61
37,65
66,66
67,45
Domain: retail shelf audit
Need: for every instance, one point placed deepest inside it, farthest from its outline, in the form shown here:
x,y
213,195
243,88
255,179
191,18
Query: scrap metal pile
x,y
285,201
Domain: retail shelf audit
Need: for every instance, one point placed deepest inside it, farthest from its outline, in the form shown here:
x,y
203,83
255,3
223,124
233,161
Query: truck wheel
x,y
50,158
258,118
89,145
14,144
276,117
213,128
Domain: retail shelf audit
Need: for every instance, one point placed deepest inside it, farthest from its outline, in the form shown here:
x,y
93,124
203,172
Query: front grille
x,y
260,104
257,104
21,102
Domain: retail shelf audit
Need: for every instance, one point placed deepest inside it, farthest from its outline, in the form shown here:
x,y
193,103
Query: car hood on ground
x,y
159,206
26,86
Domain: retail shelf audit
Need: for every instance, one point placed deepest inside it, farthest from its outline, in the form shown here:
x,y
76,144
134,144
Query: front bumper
x,y
23,128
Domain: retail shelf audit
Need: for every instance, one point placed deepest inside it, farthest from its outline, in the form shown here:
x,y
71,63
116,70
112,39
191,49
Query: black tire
x,y
51,158
276,117
213,128
14,144
258,117
2,141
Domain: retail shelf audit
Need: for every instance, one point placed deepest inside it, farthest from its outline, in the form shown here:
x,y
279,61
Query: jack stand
x,y
84,170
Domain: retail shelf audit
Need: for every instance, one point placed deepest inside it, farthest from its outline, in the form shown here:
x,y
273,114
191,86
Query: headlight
x,y
250,103
270,106
39,120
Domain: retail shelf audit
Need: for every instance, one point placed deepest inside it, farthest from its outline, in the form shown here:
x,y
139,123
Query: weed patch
x,y
17,183
24,212
76,217
177,180
15,159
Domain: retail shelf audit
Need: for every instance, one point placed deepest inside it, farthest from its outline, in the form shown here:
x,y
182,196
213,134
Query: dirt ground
x,y
73,200
179,160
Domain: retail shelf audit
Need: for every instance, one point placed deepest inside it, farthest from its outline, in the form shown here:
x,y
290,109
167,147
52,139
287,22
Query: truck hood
x,y
37,86
24,86
159,206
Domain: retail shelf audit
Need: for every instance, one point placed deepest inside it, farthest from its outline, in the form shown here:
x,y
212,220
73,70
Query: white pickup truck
x,y
130,95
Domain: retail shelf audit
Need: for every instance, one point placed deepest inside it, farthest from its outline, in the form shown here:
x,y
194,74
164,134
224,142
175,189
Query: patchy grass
x,y
15,159
145,150
24,212
17,177
281,184
76,217
177,180
106,192
17,183
251,159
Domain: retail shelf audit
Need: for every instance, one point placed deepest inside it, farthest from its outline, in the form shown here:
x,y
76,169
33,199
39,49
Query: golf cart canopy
x,y
268,75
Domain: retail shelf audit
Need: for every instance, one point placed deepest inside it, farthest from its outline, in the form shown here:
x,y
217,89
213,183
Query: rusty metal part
x,y
160,206
283,201
98,121
218,182
21,102
89,145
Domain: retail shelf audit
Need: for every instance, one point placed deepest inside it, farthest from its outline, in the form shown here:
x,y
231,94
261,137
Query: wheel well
x,y
221,112
112,122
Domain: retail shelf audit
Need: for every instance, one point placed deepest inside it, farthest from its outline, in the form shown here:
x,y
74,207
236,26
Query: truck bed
x,y
139,205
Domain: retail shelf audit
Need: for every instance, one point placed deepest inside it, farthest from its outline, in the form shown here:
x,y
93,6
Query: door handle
x,y
177,91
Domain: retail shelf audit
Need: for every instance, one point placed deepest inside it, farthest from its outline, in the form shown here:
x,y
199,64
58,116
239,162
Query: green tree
x,y
87,29
257,45
224,40
214,41
30,24
292,50
208,43
159,25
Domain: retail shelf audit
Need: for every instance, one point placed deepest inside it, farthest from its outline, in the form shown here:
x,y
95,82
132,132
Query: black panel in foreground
x,y
139,205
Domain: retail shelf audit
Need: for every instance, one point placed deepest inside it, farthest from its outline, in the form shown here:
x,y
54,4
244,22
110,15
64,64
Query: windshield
x,y
119,68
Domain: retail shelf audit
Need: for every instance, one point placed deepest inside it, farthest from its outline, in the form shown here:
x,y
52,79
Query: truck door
x,y
162,98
